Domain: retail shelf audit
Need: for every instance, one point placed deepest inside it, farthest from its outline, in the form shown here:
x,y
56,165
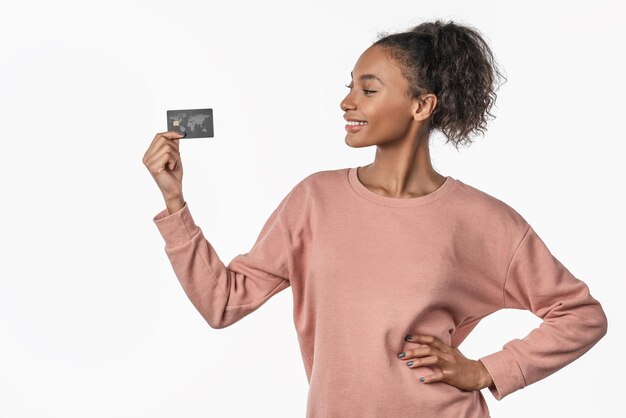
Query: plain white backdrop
x,y
93,322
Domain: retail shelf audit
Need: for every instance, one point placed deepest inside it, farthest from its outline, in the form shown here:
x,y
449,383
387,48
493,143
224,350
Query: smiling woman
x,y
392,265
448,68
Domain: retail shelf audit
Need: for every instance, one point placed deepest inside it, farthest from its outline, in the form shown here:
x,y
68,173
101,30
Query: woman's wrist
x,y
485,377
174,204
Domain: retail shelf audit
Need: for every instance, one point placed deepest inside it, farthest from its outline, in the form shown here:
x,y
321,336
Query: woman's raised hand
x,y
162,159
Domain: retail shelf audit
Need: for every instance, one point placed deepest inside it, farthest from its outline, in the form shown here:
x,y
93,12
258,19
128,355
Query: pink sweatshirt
x,y
366,269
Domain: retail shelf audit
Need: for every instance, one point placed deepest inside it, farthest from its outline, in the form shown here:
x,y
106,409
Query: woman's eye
x,y
366,91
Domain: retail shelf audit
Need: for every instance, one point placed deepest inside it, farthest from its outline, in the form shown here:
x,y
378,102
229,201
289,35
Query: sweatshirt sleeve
x,y
224,294
573,321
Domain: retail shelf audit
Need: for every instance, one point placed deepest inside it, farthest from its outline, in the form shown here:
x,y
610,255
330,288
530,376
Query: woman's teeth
x,y
356,123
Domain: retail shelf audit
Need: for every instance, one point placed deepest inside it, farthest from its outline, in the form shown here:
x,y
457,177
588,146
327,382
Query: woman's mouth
x,y
352,127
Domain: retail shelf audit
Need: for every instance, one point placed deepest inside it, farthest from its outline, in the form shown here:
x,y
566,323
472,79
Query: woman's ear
x,y
424,106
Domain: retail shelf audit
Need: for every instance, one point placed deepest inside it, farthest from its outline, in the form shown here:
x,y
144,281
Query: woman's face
x,y
377,96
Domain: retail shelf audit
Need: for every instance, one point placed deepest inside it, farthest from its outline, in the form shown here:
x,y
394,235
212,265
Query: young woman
x,y
393,264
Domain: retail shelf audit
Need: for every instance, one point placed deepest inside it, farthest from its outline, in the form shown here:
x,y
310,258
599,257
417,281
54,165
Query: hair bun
x,y
456,64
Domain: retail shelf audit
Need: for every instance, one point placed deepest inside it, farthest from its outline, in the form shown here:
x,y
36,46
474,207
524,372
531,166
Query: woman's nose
x,y
346,103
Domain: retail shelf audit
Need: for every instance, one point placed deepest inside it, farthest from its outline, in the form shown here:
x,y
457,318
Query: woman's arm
x,y
573,321
225,294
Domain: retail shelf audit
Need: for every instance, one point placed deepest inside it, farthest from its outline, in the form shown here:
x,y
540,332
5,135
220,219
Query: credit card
x,y
197,123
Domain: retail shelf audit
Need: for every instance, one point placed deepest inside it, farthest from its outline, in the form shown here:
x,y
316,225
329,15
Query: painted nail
x,y
409,363
422,379
408,338
402,354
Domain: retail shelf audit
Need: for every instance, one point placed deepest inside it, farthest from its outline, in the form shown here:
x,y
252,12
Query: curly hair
x,y
453,62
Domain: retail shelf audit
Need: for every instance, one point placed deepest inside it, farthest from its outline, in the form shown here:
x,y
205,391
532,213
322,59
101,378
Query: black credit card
x,y
197,123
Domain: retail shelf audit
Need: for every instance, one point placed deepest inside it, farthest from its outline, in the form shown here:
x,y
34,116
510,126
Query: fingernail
x,y
408,338
182,134
422,379
409,363
402,354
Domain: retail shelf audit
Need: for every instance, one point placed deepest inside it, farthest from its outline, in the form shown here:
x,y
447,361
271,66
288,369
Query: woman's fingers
x,y
435,377
426,339
163,161
431,345
168,159
170,137
164,152
417,352
422,361
449,364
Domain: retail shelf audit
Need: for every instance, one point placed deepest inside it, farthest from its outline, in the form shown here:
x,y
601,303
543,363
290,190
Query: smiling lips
x,y
355,126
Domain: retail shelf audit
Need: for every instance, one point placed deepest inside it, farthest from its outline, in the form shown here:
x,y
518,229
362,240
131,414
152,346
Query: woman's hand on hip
x,y
453,367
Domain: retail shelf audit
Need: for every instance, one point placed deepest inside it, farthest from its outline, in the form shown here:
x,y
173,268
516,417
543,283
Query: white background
x,y
93,322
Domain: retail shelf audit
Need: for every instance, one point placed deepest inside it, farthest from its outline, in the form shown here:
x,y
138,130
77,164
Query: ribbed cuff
x,y
176,228
505,372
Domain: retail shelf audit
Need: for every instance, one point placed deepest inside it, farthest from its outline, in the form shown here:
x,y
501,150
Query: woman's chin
x,y
353,142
